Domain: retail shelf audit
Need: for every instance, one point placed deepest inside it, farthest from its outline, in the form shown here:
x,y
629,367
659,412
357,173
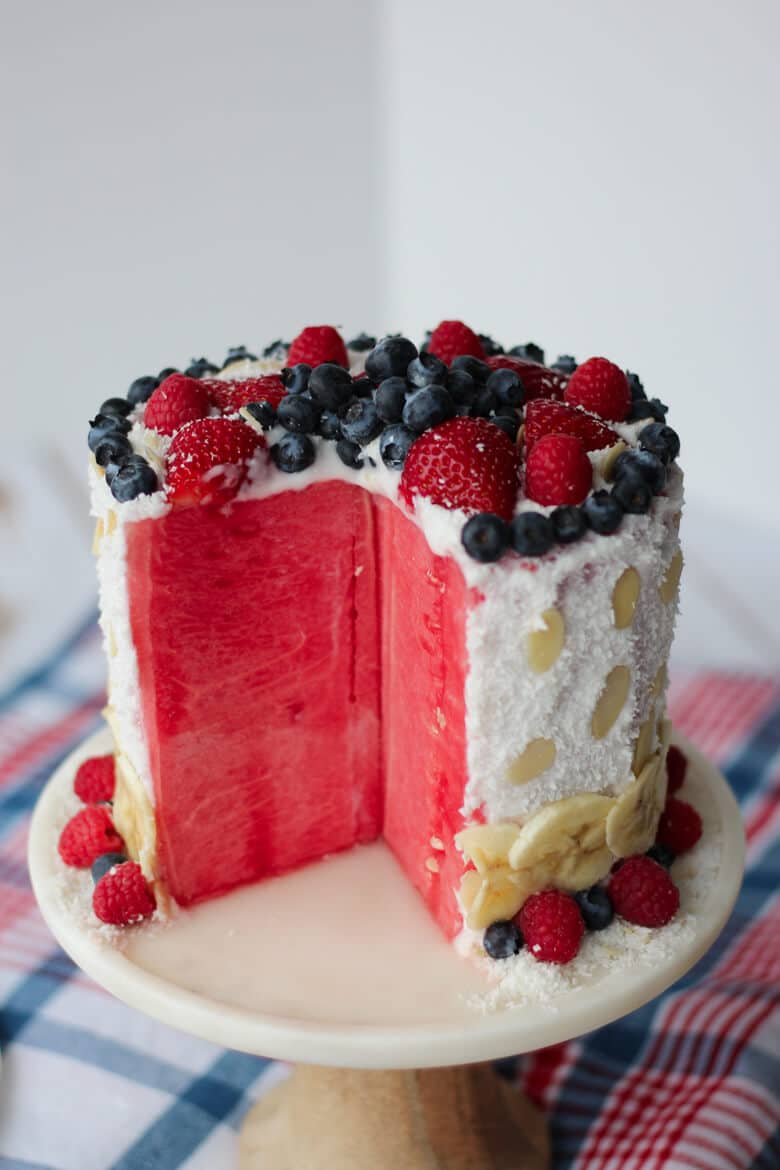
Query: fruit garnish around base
x,y
95,780
552,926
643,893
122,896
88,834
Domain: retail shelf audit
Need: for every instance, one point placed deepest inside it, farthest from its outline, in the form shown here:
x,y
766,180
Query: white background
x,y
602,178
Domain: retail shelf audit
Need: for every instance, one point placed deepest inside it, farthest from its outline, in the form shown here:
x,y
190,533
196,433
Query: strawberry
x,y
207,460
123,896
545,417
451,339
88,834
176,401
537,381
94,781
317,344
466,463
231,396
601,387
558,471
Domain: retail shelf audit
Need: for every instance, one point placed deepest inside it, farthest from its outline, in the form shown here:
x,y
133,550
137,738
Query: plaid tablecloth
x,y
691,1080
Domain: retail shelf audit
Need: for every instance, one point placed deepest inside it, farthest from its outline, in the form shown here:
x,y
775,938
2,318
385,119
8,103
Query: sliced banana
x,y
643,748
633,822
487,845
564,843
491,897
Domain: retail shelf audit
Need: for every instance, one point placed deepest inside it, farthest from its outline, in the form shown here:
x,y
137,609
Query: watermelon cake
x,y
364,590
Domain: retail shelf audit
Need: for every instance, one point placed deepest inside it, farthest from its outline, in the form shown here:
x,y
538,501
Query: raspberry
x,y
88,834
231,396
452,339
558,471
207,460
317,344
552,926
123,895
537,380
95,780
544,417
601,387
643,893
464,463
176,401
679,827
676,767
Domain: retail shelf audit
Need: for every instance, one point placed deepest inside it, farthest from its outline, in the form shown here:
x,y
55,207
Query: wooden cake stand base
x,y
337,967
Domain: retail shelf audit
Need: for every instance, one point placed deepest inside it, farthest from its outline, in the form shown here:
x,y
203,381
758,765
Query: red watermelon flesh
x,y
302,664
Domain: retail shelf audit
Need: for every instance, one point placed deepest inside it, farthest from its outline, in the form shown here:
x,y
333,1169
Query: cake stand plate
x,y
339,966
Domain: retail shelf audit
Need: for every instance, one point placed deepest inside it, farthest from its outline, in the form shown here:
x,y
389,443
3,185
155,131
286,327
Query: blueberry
x,y
501,940
363,387
568,523
361,423
293,452
101,865
461,386
633,493
530,351
330,385
133,478
484,403
298,413
635,386
166,373
349,452
506,386
564,364
485,537
390,358
426,369
200,368
647,408
644,464
295,379
532,534
480,371
491,347
114,448
427,408
361,343
141,389
509,423
595,907
662,854
389,399
262,412
239,353
277,350
329,425
118,407
602,513
661,440
103,425
395,444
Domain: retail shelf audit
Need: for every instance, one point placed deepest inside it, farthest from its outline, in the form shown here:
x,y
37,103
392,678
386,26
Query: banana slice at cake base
x,y
564,844
633,822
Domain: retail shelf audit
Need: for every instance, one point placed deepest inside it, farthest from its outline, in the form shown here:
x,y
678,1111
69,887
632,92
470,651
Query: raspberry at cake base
x,y
321,652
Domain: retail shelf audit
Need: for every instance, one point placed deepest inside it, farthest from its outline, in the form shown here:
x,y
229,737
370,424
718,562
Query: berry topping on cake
x,y
176,401
102,426
506,386
633,494
94,781
465,463
361,422
532,534
601,387
295,379
530,351
485,537
679,827
450,339
238,353
391,358
661,440
501,940
330,386
389,399
552,926
142,388
568,523
208,458
231,396
546,417
426,369
427,407
676,768
602,512
133,477
537,381
317,344
595,907
201,368
293,453
558,471
298,413
123,896
643,893
119,407
395,445
641,465
88,834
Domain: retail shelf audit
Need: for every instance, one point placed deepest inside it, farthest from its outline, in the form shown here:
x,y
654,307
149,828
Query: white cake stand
x,y
339,968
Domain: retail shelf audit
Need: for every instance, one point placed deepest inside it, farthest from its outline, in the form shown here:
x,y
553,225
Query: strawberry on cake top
x,y
364,589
